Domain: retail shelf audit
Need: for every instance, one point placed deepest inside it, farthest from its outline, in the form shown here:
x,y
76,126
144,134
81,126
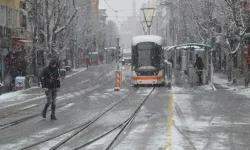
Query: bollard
x,y
117,80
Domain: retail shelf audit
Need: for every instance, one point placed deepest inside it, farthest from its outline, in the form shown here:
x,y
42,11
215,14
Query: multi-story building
x,y
9,23
16,38
9,20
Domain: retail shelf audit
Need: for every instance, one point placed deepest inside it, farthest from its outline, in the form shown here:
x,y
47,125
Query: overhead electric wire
x,y
116,16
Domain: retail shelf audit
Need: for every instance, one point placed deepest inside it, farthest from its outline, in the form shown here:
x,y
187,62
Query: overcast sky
x,y
124,8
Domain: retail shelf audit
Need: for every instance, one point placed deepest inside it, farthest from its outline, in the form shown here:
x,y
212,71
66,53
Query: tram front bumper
x,y
155,80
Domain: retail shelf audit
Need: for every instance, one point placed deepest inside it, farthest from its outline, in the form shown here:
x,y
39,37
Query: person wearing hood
x,y
50,80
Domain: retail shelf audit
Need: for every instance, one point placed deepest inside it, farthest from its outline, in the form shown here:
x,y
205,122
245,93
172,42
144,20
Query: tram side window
x,y
134,56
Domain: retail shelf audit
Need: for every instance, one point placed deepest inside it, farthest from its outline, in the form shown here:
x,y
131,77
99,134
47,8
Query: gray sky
x,y
124,8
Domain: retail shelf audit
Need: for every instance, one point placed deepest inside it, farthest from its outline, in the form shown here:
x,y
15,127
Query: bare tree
x,y
53,16
112,33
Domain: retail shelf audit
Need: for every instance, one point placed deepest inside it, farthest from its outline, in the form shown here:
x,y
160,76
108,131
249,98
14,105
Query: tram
x,y
183,57
148,65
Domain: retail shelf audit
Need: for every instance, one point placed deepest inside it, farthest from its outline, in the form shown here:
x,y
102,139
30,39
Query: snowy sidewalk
x,y
221,80
30,93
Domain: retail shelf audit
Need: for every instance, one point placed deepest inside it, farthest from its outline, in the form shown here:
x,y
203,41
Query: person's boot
x,y
53,117
53,108
44,114
45,111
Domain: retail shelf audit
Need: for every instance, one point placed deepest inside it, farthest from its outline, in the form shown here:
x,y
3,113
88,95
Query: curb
x,y
213,87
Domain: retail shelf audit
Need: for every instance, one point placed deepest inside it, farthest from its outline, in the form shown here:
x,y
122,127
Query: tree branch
x,y
60,13
60,29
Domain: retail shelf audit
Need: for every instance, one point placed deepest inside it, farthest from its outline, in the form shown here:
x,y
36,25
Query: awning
x,y
23,42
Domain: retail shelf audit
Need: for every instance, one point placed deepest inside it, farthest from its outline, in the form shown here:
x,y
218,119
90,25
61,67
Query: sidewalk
x,y
33,91
222,79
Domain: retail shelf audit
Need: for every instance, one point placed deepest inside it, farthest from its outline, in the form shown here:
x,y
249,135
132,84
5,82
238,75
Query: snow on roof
x,y
168,48
196,46
93,52
147,38
109,48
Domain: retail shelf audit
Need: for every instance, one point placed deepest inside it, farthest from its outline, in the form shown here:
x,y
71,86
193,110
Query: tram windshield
x,y
148,55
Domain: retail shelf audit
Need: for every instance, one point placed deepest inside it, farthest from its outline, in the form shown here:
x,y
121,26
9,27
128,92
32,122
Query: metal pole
x,y
3,69
77,42
211,59
117,50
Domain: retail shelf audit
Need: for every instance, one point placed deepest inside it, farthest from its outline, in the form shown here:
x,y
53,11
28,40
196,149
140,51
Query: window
x,y
9,17
14,18
2,15
148,55
17,19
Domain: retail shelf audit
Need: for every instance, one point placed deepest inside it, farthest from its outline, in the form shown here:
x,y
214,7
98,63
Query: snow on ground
x,y
22,102
103,141
183,119
15,145
244,91
77,71
60,98
10,96
206,87
191,131
132,138
51,143
19,95
44,132
30,106
223,82
241,90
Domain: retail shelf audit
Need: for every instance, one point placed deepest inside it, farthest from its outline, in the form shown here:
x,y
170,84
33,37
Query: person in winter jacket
x,y
50,79
199,64
87,61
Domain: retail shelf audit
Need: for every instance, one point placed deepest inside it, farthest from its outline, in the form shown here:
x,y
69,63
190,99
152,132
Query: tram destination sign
x,y
145,46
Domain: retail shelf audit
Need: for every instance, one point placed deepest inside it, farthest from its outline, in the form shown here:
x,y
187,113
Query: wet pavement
x,y
183,118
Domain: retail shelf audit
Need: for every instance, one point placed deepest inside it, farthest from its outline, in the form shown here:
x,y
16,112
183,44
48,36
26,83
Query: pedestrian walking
x,y
50,79
199,64
87,61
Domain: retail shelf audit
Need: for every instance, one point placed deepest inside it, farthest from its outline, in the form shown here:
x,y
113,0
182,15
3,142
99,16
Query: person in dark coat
x,y
87,61
199,64
50,79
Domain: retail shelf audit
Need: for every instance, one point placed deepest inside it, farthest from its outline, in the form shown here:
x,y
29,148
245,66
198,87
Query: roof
x,y
93,52
197,46
108,48
147,38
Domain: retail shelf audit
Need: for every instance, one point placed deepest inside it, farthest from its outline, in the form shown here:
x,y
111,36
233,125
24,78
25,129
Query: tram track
x,y
79,128
16,122
122,125
95,80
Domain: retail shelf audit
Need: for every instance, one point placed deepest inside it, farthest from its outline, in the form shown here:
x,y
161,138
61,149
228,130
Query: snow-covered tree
x,y
112,33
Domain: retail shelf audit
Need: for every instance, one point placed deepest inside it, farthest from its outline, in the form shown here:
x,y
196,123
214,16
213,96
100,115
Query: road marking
x,y
168,144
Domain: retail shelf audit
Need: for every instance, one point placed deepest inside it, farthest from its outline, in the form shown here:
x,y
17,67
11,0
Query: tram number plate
x,y
248,60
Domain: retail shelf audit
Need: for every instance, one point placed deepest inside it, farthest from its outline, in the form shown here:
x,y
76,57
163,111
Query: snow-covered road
x,y
183,118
